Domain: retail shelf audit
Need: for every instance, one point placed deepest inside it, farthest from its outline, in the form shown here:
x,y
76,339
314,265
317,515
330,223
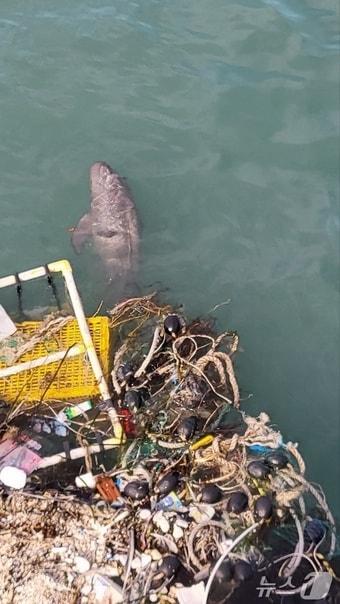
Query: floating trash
x,y
13,477
194,498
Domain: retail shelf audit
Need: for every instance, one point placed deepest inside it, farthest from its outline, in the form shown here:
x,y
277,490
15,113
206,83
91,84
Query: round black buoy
x,y
172,325
187,427
243,571
314,531
136,489
125,373
238,502
133,399
211,494
263,507
224,572
276,460
167,484
258,469
169,566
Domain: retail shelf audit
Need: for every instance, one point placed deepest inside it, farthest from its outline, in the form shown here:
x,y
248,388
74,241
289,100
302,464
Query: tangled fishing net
x,y
200,502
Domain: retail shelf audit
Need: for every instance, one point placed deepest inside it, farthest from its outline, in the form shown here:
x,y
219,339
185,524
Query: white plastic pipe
x,y
33,273
77,453
50,358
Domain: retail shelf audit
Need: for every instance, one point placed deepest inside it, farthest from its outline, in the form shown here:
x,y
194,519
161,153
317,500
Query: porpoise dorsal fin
x,y
82,232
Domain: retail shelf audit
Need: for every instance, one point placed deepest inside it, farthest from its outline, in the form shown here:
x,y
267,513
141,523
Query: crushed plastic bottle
x,y
78,409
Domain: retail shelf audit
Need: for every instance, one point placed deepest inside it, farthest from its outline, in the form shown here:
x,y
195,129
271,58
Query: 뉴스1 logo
x,y
316,586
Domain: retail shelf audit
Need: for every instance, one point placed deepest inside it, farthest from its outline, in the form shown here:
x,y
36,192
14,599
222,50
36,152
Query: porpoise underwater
x,y
112,226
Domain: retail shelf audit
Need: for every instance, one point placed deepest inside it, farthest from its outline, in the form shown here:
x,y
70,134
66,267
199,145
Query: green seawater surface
x,y
224,117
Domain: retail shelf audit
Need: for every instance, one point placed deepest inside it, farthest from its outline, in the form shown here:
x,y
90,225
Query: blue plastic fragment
x,y
174,380
120,482
314,530
259,449
171,501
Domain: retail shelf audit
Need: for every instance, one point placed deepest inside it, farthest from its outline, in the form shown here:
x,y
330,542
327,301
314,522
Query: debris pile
x,y
198,500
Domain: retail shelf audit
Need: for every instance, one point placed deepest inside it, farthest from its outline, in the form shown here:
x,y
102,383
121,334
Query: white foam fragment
x,y
7,327
191,595
13,477
81,564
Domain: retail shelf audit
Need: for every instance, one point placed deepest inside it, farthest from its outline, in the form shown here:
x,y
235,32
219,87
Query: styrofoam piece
x,y
86,480
7,327
81,564
191,595
13,477
105,590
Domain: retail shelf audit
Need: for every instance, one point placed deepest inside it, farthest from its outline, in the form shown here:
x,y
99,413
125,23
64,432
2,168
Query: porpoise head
x,y
102,178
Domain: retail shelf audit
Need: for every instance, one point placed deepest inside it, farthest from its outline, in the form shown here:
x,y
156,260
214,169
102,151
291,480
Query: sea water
x,y
224,117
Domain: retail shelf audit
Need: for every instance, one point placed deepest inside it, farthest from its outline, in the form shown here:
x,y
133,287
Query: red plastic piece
x,y
128,422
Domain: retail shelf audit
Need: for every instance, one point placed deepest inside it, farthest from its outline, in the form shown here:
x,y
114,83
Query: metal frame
x,y
64,267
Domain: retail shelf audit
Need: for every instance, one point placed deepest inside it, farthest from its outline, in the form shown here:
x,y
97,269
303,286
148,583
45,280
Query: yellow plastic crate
x,y
74,378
